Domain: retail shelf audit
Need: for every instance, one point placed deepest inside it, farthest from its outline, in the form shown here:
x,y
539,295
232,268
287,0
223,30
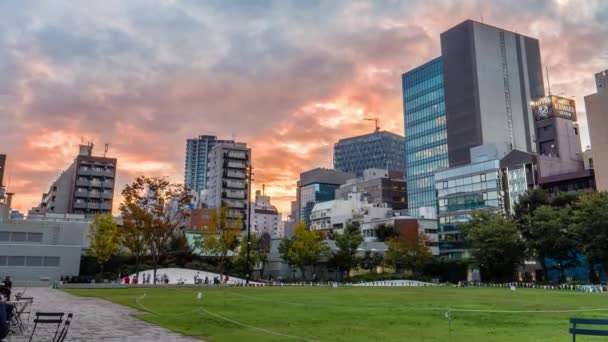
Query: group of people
x,y
145,279
6,309
217,280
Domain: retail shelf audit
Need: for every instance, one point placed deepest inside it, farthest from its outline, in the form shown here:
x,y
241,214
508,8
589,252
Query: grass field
x,y
361,314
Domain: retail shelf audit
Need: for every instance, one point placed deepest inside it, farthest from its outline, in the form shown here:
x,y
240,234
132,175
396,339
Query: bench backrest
x,y
590,332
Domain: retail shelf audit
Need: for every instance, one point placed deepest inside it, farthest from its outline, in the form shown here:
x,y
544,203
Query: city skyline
x,y
288,79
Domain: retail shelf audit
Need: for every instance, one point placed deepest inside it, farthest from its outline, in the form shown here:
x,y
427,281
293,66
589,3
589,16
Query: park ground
x,y
360,313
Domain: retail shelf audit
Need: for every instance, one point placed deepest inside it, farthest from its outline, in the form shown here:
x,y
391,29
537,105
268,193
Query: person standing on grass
x,y
127,280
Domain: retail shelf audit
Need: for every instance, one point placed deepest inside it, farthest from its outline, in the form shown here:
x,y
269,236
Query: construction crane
x,y
376,121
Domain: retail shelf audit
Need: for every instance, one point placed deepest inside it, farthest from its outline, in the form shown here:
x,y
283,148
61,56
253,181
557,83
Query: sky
x,y
290,78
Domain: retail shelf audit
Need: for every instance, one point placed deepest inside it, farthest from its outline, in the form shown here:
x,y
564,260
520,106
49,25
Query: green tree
x,y
495,245
258,255
347,244
410,254
552,237
104,239
160,208
590,222
371,260
303,249
284,248
222,238
385,232
179,250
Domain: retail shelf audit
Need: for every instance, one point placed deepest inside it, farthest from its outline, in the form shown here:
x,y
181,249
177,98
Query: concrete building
x,y
426,149
378,186
201,220
314,186
228,180
379,150
197,152
42,247
85,187
335,215
491,182
490,76
265,218
597,118
588,159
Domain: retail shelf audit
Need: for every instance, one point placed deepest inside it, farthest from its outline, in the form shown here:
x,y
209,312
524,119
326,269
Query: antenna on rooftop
x,y
481,16
105,150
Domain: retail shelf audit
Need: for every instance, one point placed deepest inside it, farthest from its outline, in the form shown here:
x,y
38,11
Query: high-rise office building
x,y
86,187
490,76
426,149
314,186
597,118
228,181
378,150
197,152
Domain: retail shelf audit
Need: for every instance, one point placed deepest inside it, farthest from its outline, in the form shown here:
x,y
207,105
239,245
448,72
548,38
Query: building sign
x,y
554,106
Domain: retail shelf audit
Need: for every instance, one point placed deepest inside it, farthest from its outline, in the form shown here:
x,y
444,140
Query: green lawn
x,y
361,314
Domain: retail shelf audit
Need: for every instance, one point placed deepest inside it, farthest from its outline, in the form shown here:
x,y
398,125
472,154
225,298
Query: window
x,y
34,237
3,260
18,237
33,261
5,236
51,261
575,130
16,261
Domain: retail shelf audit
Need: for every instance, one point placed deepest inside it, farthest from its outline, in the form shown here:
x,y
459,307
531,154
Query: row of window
x,y
47,261
20,237
489,185
425,100
438,137
488,176
426,127
427,167
427,153
420,88
430,112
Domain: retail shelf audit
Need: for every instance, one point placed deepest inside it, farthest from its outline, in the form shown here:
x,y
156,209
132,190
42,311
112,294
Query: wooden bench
x,y
590,332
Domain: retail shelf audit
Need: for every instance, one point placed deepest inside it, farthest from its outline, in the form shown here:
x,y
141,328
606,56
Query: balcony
x,y
95,194
84,193
235,214
82,182
234,194
234,204
106,206
235,164
85,171
233,184
95,184
108,173
106,195
234,174
108,184
80,205
93,205
236,155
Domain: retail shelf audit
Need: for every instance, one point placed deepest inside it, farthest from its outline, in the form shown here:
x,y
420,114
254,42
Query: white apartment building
x,y
265,218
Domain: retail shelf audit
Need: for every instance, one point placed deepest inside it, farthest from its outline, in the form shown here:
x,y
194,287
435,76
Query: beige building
x,y
597,117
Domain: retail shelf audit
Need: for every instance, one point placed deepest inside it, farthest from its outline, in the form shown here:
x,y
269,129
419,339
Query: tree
x,y
552,237
132,232
303,249
104,239
347,244
590,222
258,254
495,245
411,254
529,201
385,232
222,238
179,249
371,260
160,206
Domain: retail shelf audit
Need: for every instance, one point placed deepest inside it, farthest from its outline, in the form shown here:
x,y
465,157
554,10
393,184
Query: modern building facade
x,y
378,186
42,247
426,149
228,180
85,187
379,150
490,76
488,183
197,152
314,186
265,218
597,118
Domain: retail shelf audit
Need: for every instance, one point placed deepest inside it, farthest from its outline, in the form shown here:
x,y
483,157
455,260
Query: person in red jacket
x,y
127,280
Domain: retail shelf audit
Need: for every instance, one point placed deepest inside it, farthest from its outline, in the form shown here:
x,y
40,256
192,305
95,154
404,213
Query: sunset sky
x,y
288,77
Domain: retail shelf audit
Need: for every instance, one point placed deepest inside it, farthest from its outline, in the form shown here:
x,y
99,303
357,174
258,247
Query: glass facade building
x,y
197,151
315,193
426,149
460,191
378,150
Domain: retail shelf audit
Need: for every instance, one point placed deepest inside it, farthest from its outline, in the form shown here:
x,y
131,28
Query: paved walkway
x,y
96,320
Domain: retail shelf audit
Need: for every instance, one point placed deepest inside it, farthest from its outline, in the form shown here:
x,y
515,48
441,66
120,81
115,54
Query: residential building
x,y
201,220
43,247
378,186
336,214
197,152
597,119
490,182
490,76
265,218
228,180
407,227
426,149
379,150
85,187
314,186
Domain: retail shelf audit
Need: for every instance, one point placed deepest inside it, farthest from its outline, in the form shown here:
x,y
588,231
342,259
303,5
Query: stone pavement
x,y
94,320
